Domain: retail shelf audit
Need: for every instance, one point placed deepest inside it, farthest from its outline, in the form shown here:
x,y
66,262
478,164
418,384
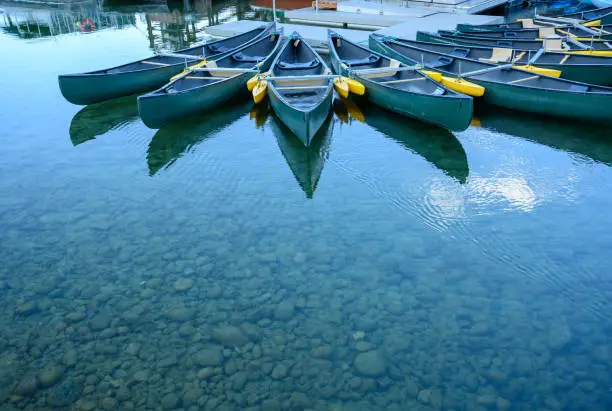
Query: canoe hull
x,y
304,124
453,113
577,105
86,88
157,110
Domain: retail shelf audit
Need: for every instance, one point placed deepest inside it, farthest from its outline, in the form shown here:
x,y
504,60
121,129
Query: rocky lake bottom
x,y
218,265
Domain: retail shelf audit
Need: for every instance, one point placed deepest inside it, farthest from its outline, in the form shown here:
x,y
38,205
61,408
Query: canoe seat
x,y
218,48
440,62
528,24
578,87
371,59
243,58
498,55
314,63
459,52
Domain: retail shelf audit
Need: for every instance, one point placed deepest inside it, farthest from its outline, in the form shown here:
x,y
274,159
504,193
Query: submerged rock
x,y
50,376
284,311
181,314
208,357
65,393
100,322
183,284
27,386
370,364
229,336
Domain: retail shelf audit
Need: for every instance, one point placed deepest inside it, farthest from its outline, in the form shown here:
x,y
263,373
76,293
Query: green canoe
x,y
602,33
577,67
149,73
603,13
209,86
410,93
302,104
522,44
508,87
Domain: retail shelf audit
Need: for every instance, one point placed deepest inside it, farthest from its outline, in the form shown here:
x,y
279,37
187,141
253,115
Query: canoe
x,y
515,25
172,142
305,162
301,104
586,141
410,93
523,24
583,68
508,87
437,146
208,86
149,73
446,37
604,14
98,119
603,33
556,44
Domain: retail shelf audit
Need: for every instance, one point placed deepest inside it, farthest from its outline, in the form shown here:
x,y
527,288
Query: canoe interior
x,y
297,59
360,58
245,58
205,50
454,65
518,56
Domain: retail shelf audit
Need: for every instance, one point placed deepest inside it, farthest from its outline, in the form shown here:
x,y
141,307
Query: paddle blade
x,y
592,23
459,85
259,91
355,87
253,80
341,87
540,70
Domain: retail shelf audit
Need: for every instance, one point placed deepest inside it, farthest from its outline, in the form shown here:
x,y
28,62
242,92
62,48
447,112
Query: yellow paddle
x,y
601,53
540,70
198,65
592,23
459,85
255,79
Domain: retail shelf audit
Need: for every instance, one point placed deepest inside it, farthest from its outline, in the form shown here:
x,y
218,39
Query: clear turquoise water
x,y
216,264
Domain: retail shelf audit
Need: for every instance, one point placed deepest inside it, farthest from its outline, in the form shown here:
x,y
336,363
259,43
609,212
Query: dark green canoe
x,y
603,13
542,32
511,88
301,104
209,86
602,32
515,25
577,67
306,162
100,118
410,93
522,44
149,73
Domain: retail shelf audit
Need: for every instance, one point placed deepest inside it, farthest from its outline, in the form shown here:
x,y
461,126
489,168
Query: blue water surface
x,y
217,264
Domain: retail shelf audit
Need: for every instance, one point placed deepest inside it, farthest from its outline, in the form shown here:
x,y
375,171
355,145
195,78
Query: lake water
x,y
217,264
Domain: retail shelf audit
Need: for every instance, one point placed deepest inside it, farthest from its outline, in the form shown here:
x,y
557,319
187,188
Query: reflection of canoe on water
x,y
436,145
100,118
592,141
306,163
171,141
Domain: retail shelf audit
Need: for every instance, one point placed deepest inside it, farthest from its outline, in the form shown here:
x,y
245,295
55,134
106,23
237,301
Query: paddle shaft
x,y
182,56
484,71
